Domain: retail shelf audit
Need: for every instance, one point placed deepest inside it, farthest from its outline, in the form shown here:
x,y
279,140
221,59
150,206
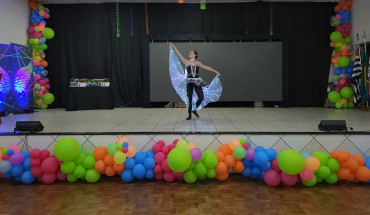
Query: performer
x,y
193,80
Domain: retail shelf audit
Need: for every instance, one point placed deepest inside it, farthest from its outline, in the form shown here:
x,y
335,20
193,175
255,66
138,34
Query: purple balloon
x,y
250,153
196,154
16,158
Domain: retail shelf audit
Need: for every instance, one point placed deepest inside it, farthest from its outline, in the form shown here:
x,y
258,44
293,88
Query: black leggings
x,y
198,90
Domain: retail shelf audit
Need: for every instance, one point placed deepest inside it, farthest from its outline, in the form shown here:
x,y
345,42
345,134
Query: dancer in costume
x,y
191,81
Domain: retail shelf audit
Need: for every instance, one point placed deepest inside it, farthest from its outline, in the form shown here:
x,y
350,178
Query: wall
x,y
14,21
360,19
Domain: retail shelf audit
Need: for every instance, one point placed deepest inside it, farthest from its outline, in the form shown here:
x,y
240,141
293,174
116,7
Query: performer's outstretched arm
x,y
208,68
183,60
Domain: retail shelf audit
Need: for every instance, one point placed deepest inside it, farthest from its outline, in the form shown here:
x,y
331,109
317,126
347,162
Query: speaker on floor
x,y
332,125
28,126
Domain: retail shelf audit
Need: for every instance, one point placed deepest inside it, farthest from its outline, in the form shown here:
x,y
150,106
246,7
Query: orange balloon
x,y
353,165
122,140
42,13
337,9
39,102
223,176
345,7
100,166
343,156
312,163
341,3
239,167
220,156
41,27
119,168
363,173
351,177
359,159
108,160
100,152
37,53
191,145
221,168
1,175
224,148
343,174
334,154
343,101
43,88
131,151
332,44
109,171
230,161
233,143
44,63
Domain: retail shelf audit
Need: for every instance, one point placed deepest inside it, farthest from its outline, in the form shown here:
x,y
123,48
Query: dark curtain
x,y
85,43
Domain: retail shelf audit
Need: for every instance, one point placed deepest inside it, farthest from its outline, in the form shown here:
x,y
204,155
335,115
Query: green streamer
x,y
117,20
271,20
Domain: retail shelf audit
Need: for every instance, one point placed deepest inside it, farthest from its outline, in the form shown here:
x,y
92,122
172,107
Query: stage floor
x,y
172,120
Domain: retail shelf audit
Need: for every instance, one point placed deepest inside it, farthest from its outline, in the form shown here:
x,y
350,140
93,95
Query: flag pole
x,y
365,69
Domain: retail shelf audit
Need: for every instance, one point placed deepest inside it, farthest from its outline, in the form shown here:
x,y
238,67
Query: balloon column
x,y
341,41
38,34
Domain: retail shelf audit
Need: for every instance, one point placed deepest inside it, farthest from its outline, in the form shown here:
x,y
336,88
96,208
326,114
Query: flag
x,y
364,81
356,78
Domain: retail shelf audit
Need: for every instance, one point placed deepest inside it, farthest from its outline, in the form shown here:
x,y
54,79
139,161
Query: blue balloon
x,y
262,175
16,170
140,157
18,178
256,171
25,154
254,176
125,144
149,163
261,158
5,166
271,153
247,171
10,152
27,177
127,176
27,163
249,143
149,174
139,171
305,154
7,175
130,163
267,167
259,148
150,153
247,163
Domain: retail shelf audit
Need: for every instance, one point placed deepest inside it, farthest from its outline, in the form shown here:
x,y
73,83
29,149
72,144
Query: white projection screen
x,y
250,71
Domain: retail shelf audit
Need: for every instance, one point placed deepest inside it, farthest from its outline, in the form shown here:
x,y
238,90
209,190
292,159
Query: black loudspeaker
x,y
29,126
331,125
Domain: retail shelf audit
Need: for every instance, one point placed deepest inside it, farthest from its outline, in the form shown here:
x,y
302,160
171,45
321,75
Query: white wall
x,y
13,21
361,19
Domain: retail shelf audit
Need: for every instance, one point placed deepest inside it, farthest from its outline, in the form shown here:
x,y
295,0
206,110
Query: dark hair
x,y
196,54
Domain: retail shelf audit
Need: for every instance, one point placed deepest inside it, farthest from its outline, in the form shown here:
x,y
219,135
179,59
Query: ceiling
x,y
170,1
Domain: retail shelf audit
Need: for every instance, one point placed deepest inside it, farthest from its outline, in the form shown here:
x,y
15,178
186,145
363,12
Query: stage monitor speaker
x,y
28,126
332,125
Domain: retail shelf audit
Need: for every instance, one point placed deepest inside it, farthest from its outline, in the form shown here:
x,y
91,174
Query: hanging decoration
x,y
202,4
117,20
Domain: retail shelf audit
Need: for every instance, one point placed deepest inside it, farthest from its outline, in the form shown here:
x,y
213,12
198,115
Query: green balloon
x,y
344,61
79,171
211,173
333,165
240,152
242,141
89,162
179,159
336,37
48,33
67,149
190,177
210,160
351,105
182,143
119,157
67,167
92,176
346,92
119,147
71,178
332,179
91,153
345,106
202,177
291,162
192,165
338,105
310,183
323,172
348,40
36,86
200,170
44,106
318,179
48,98
80,158
334,96
112,148
322,156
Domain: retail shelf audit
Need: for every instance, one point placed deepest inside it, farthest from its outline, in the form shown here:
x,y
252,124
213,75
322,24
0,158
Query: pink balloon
x,y
245,145
46,91
31,30
34,63
34,24
14,147
157,148
36,171
275,165
170,147
49,178
165,166
342,82
338,16
42,82
165,150
306,174
45,154
337,88
47,15
179,175
37,35
272,178
37,76
35,162
158,169
42,24
158,177
159,157
289,180
169,177
161,143
175,141
49,165
40,94
5,156
61,176
46,80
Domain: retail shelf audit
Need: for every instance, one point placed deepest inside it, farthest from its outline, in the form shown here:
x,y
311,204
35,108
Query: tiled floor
x,y
173,120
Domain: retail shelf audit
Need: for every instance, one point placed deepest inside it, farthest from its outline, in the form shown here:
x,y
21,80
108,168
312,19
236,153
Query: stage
x,y
277,128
